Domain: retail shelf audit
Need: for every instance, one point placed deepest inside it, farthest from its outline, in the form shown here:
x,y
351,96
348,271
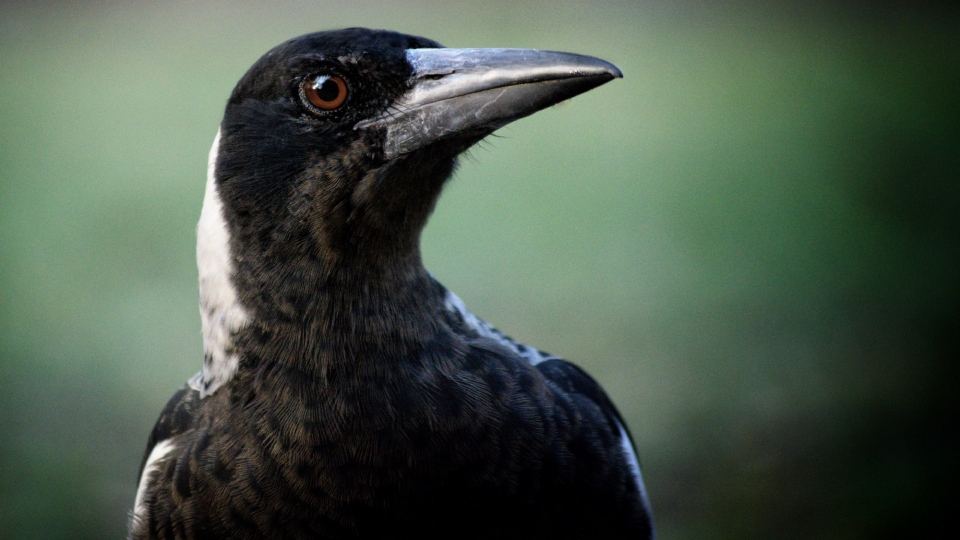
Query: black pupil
x,y
328,91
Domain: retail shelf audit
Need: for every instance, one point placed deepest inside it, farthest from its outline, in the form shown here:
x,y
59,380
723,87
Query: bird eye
x,y
325,92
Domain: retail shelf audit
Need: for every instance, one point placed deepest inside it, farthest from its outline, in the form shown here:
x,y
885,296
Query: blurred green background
x,y
752,241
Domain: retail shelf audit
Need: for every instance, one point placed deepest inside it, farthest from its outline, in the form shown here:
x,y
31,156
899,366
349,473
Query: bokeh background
x,y
752,241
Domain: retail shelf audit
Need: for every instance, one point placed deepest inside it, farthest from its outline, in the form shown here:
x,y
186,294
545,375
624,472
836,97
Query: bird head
x,y
333,150
335,145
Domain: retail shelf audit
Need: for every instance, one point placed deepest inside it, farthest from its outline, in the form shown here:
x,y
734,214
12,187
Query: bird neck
x,y
317,320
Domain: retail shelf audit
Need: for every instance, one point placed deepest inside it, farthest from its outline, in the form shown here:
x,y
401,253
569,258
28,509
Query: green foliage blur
x,y
752,241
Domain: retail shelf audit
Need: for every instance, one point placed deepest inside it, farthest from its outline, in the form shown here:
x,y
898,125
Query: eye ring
x,y
323,92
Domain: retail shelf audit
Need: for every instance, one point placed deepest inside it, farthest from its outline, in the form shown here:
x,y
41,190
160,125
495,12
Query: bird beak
x,y
472,92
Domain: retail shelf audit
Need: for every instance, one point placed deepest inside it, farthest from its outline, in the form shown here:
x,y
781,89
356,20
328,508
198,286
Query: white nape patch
x,y
634,465
160,451
221,314
453,304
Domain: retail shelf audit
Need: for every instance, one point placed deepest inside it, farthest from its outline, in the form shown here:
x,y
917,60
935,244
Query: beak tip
x,y
610,69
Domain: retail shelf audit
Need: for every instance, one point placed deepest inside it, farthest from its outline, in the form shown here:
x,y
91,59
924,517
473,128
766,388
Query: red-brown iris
x,y
325,92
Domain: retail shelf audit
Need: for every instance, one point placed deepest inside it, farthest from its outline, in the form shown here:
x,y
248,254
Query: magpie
x,y
345,393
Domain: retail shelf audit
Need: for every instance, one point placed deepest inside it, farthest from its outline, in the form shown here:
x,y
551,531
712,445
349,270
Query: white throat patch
x,y
221,314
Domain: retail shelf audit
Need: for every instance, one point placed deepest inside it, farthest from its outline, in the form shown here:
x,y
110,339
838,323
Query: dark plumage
x,y
346,393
